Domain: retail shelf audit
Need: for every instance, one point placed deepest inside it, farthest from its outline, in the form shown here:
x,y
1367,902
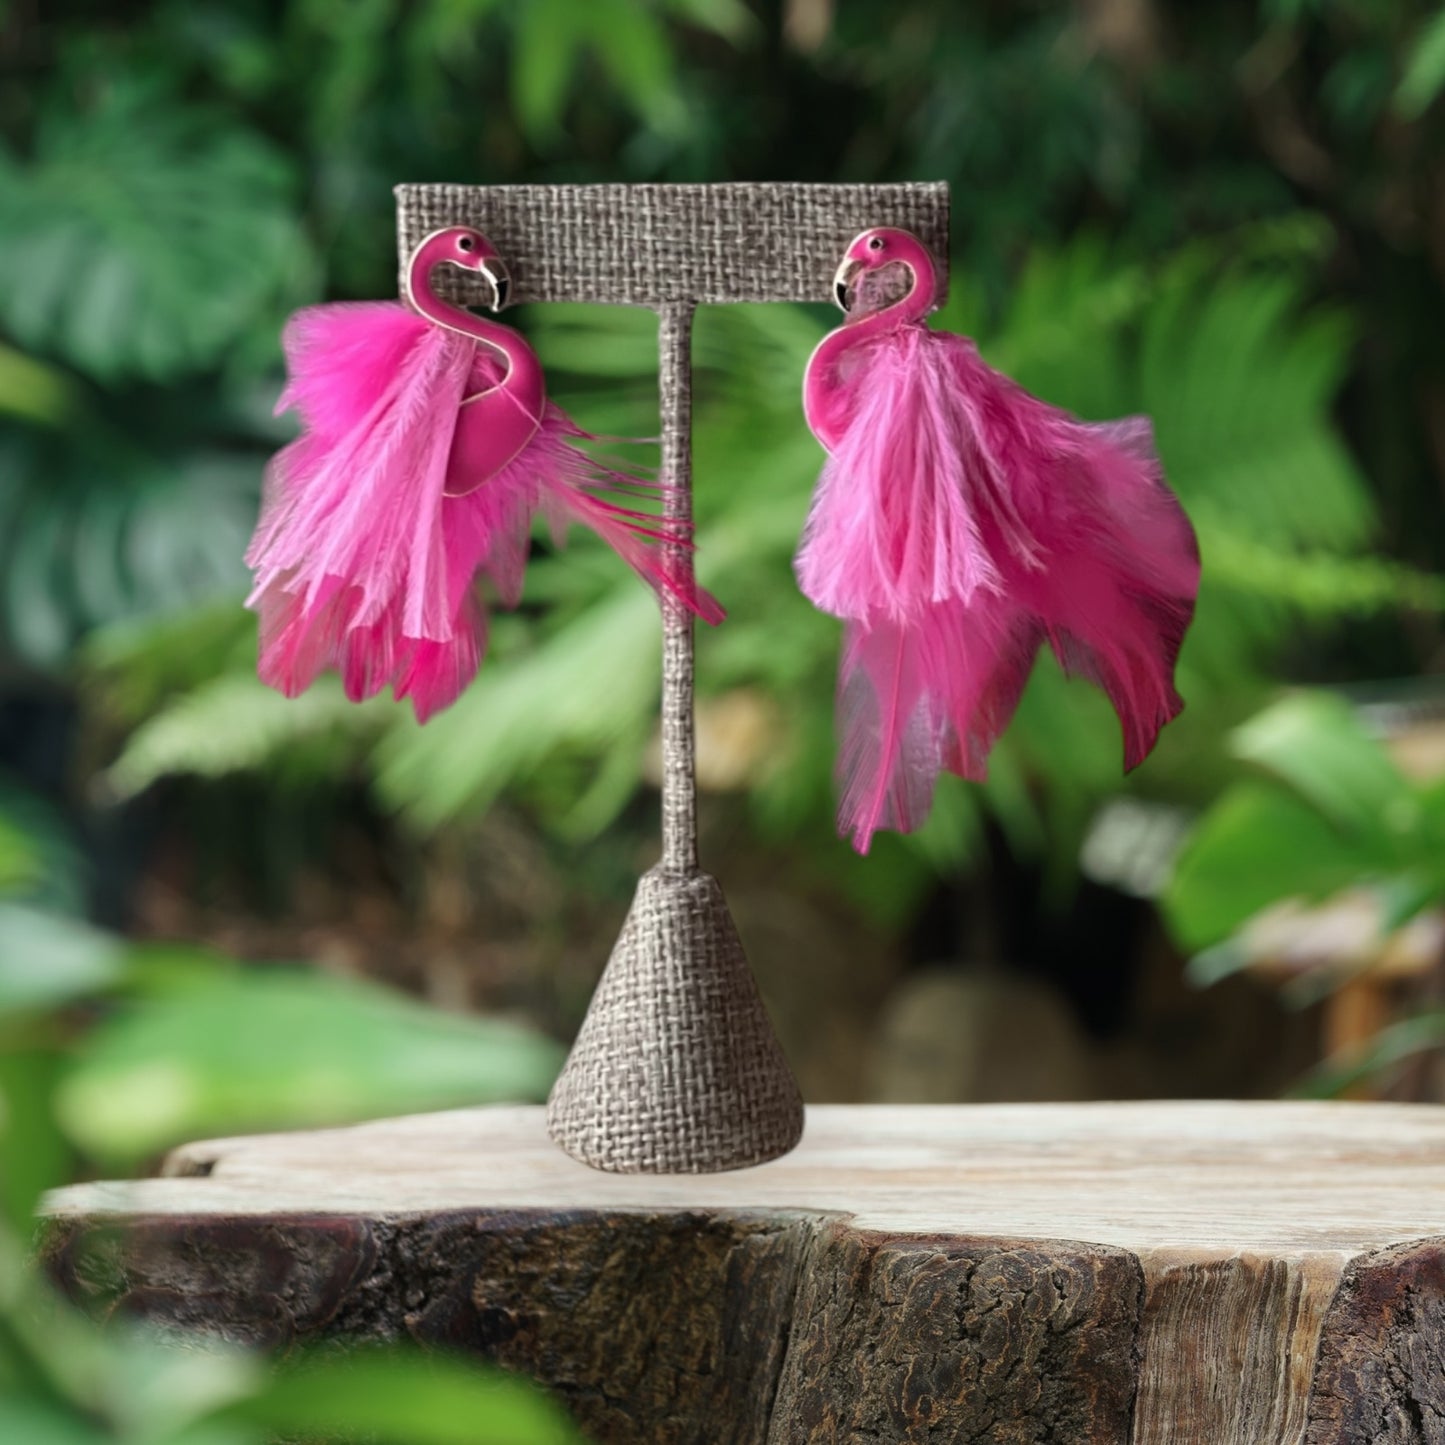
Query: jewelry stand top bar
x,y
648,245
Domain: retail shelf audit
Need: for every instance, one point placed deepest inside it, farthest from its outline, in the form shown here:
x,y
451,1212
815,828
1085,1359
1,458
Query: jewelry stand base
x,y
676,1069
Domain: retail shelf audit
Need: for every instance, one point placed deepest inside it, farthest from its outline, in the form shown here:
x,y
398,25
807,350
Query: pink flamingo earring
x,y
959,524
428,446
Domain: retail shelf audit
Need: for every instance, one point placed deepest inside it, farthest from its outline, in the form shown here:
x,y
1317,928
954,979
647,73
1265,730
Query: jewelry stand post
x,y
676,1069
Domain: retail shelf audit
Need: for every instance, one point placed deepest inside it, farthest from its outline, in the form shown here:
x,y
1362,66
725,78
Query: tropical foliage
x,y
1319,809
108,1053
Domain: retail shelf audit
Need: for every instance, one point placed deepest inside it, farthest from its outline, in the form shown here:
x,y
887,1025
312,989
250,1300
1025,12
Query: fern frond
x,y
234,724
1317,584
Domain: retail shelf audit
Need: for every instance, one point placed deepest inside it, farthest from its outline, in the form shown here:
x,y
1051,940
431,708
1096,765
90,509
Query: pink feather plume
x,y
363,561
959,524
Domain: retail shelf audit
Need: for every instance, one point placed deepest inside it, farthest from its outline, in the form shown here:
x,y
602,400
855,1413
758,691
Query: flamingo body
x,y
494,426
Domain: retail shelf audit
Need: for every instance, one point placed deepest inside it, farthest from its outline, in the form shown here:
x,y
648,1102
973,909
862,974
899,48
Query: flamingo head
x,y
462,246
872,251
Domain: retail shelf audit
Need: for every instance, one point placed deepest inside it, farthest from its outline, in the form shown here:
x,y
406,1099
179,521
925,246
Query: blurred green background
x,y
214,903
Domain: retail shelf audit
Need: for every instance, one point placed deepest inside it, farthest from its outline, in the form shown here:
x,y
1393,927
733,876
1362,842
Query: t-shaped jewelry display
x,y
676,1068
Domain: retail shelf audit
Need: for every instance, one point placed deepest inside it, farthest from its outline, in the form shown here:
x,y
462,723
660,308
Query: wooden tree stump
x,y
1163,1274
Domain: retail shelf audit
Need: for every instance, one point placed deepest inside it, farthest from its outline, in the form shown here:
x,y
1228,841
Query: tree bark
x,y
1184,1274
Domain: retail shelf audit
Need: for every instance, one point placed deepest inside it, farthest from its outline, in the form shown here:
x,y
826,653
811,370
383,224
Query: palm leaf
x,y
96,530
149,237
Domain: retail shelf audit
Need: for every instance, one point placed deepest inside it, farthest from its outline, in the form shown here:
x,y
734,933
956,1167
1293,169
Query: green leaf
x,y
34,612
157,1391
1314,584
145,1387
1387,1050
1215,964
47,960
634,49
261,1048
232,724
1405,897
132,667
34,1156
729,18
19,860
593,685
950,835
1431,798
1239,385
1293,10
608,342
99,529
40,1422
1314,742
1424,76
1255,847
143,239
33,391
544,54
1357,86
40,864
402,1398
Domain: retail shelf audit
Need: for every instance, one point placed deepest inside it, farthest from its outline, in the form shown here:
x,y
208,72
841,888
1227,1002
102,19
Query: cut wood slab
x,y
1162,1274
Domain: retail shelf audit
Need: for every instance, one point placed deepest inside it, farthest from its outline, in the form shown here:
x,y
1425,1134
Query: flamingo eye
x,y
876,244
465,243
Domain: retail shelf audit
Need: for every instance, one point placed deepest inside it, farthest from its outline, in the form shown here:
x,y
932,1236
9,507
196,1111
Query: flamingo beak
x,y
497,274
843,282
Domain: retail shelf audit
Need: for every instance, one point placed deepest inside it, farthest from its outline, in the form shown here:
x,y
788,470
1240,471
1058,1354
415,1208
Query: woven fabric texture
x,y
679,743
676,1069
649,245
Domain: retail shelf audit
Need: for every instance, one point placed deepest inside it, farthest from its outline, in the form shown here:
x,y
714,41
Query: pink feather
x,y
959,523
377,521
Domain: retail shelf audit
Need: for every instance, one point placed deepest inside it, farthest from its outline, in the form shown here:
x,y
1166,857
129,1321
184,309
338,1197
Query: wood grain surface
x,y
1163,1274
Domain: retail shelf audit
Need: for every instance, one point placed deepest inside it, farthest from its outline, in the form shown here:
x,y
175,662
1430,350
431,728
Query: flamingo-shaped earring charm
x,y
428,446
959,524
499,419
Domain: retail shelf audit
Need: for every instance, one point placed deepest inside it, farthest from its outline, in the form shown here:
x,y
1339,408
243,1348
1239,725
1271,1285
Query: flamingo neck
x,y
825,396
523,379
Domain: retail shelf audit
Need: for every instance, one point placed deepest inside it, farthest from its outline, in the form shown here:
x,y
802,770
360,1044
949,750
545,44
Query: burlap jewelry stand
x,y
676,1069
